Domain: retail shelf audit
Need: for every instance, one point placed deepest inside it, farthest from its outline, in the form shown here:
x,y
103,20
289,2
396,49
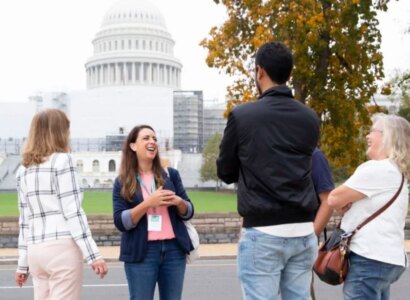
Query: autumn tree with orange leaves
x,y
336,46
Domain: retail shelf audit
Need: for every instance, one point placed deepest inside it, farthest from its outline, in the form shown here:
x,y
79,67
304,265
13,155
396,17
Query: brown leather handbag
x,y
332,263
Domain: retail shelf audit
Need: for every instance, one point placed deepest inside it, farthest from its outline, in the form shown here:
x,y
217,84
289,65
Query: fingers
x,y
163,197
21,279
100,268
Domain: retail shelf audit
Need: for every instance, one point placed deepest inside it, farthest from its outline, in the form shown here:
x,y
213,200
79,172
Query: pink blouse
x,y
167,231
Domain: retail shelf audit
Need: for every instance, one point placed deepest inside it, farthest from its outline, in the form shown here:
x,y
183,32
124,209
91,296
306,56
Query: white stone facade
x,y
99,169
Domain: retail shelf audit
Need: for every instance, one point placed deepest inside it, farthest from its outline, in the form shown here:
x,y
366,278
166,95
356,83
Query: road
x,y
204,280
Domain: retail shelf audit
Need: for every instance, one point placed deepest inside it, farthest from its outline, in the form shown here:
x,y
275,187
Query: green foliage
x,y
209,156
399,88
340,174
405,113
336,45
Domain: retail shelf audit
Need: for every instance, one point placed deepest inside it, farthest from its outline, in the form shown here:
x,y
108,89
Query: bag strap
x,y
377,213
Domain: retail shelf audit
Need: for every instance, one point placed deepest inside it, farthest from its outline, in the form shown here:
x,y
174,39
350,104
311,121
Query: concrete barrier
x,y
213,228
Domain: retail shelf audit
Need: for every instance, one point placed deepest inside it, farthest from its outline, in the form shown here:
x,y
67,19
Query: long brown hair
x,y
49,133
129,166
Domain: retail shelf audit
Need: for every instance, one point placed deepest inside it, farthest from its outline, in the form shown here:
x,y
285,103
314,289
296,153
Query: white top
x,y
50,207
288,230
382,239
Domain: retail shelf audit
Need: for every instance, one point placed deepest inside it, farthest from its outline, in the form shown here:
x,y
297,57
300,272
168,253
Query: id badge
x,y
154,222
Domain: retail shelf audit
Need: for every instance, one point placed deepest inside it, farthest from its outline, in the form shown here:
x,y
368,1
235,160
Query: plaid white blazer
x,y
50,200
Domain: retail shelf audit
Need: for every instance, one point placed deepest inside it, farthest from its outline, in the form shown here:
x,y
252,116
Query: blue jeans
x,y
165,263
269,265
369,279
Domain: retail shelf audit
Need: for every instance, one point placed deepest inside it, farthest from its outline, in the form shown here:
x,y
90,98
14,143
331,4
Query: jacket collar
x,y
279,90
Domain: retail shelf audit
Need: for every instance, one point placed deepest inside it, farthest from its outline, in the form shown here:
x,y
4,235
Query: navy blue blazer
x,y
134,241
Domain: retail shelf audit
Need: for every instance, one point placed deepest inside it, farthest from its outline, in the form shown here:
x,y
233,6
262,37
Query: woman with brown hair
x,y
149,209
54,234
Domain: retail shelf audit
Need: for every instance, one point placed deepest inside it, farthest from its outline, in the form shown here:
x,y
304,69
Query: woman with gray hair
x,y
377,257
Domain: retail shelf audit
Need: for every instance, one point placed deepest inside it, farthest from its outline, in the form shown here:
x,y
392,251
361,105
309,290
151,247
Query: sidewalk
x,y
111,254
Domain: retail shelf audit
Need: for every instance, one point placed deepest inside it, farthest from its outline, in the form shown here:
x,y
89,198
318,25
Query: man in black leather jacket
x,y
267,149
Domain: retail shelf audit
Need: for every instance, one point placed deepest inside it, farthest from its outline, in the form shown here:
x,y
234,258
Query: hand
x,y
161,197
176,200
100,267
21,278
181,204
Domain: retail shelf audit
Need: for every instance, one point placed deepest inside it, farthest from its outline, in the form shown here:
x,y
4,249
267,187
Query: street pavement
x,y
213,276
205,279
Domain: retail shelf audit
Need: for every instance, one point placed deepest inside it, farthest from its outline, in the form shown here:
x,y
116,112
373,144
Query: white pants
x,y
57,270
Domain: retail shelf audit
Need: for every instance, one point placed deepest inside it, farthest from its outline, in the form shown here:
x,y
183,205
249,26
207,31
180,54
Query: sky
x,y
45,43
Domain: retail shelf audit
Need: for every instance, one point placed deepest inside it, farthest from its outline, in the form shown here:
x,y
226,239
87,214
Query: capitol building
x,y
131,78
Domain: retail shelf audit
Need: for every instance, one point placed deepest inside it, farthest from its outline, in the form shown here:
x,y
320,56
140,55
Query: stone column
x,y
133,72
93,76
172,76
125,72
101,82
141,72
108,74
117,73
87,77
149,73
158,79
179,78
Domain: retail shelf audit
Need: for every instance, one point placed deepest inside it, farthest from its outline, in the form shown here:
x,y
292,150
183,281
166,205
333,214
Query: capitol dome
x,y
133,47
138,12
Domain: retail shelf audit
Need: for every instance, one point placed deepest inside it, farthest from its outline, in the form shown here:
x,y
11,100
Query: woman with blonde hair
x,y
377,257
54,234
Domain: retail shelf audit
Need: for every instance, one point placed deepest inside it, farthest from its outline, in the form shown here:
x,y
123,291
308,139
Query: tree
x,y
399,88
209,156
336,45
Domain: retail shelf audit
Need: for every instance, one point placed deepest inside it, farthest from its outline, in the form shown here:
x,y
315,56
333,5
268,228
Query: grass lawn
x,y
101,202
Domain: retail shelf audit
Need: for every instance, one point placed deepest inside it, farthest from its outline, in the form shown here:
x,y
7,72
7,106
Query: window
x,y
84,183
111,166
96,166
96,183
80,166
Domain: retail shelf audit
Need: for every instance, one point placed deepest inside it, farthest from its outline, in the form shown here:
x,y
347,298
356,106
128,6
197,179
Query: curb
x,y
14,260
8,261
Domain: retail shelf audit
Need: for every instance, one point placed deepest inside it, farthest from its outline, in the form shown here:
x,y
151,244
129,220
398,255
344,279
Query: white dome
x,y
137,12
133,47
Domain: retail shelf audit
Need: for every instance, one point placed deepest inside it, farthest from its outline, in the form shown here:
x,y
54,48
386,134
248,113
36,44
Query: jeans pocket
x,y
310,250
266,255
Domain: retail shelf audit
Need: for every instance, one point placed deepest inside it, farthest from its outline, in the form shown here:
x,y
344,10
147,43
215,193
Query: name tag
x,y
154,222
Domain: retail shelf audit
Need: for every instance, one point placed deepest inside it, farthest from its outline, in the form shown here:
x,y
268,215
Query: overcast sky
x,y
45,43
